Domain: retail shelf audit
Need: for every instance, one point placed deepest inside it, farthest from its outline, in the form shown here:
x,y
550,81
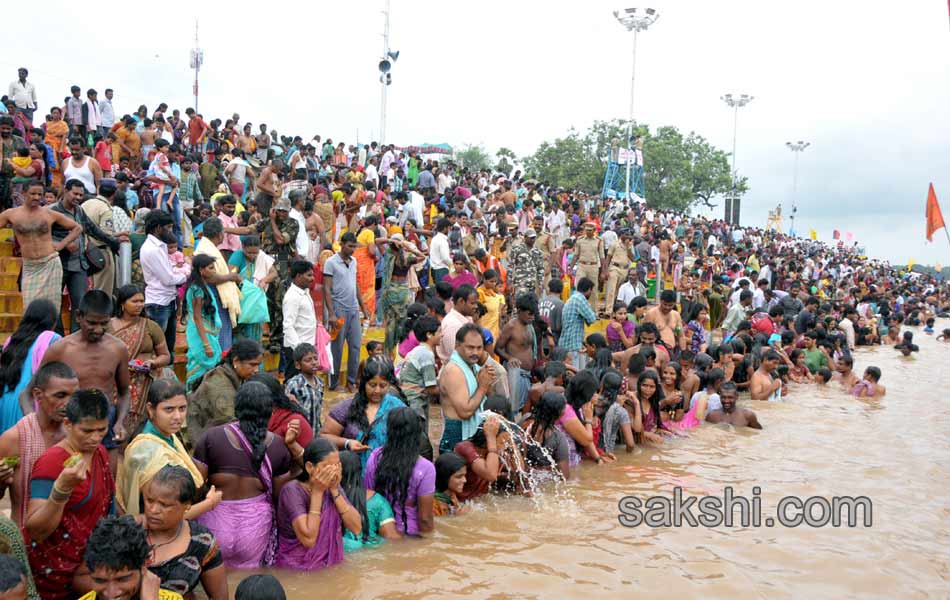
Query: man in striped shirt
x,y
576,314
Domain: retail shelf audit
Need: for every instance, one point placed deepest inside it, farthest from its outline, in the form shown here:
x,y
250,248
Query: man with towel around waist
x,y
32,224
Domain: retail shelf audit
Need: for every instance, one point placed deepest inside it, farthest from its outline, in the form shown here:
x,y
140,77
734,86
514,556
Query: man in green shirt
x,y
815,357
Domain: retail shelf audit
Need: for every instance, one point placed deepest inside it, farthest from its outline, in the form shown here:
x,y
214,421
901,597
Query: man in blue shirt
x,y
576,314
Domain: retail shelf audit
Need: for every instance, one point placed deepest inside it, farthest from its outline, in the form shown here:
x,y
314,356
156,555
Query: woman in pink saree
x,y
248,465
312,512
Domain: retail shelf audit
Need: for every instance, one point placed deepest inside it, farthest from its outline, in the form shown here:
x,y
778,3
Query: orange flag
x,y
934,216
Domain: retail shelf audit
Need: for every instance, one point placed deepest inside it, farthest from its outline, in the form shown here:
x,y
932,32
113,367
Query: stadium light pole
x,y
635,20
736,101
796,147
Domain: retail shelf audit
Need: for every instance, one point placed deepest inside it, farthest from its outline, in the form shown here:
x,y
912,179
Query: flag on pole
x,y
836,234
910,264
849,236
813,234
934,216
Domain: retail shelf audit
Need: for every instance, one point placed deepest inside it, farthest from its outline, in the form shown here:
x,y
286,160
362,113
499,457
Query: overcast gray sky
x,y
866,82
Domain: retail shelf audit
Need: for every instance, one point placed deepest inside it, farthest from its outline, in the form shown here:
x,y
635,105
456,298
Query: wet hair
x,y
117,543
397,459
303,350
580,390
499,405
874,372
375,366
352,484
527,302
636,364
545,413
278,397
87,404
12,573
95,302
667,296
678,370
40,316
654,400
260,587
177,478
446,465
728,386
253,406
603,361
610,385
318,449
467,329
825,374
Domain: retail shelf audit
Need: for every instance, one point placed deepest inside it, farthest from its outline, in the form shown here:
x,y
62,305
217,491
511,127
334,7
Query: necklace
x,y
172,539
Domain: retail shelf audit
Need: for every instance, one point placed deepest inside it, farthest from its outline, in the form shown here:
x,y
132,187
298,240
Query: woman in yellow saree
x,y
366,257
56,132
158,445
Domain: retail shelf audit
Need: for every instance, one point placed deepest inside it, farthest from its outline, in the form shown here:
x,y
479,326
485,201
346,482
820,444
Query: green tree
x,y
679,170
473,158
503,155
566,162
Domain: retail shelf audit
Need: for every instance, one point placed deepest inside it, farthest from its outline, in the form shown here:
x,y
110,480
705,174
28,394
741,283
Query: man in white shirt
x,y
23,93
90,113
388,157
440,256
161,291
372,174
297,199
106,110
300,317
631,288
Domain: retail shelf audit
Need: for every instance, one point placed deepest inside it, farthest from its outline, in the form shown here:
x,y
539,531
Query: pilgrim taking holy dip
x,y
542,328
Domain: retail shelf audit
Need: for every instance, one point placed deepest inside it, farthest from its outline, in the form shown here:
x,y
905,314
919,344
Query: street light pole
x,y
796,147
383,80
635,20
197,57
736,101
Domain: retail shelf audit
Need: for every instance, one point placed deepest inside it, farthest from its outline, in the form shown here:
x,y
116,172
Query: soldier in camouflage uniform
x,y
278,239
526,265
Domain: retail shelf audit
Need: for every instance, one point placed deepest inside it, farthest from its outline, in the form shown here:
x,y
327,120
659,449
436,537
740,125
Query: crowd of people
x,y
488,288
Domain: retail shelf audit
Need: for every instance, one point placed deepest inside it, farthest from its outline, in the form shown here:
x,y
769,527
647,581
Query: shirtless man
x,y
762,385
555,374
869,386
316,228
51,388
267,186
690,380
738,417
517,345
647,337
667,321
844,372
101,360
462,388
42,272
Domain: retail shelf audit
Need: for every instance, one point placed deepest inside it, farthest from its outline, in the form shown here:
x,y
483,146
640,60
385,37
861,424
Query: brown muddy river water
x,y
819,442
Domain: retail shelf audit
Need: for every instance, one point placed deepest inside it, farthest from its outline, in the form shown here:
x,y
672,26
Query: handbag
x,y
95,258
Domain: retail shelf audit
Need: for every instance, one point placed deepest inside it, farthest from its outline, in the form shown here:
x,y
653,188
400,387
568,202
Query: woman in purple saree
x,y
312,512
248,465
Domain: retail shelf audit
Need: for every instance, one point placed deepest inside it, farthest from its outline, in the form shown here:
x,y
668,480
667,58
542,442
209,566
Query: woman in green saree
x,y
257,269
204,321
158,445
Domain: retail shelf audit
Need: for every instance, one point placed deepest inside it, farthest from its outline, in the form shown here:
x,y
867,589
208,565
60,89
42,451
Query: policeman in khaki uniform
x,y
618,263
589,260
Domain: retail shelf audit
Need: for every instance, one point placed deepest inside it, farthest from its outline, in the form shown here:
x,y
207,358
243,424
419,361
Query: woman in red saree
x,y
67,500
148,351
